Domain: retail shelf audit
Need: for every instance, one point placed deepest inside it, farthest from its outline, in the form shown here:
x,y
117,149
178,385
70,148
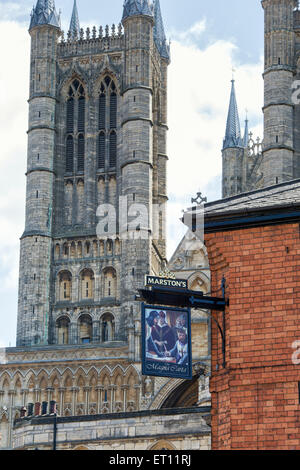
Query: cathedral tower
x,y
36,241
96,179
278,148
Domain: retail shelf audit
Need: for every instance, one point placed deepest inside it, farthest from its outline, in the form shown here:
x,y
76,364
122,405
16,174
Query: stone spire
x,y
246,133
159,32
136,7
44,13
233,129
74,24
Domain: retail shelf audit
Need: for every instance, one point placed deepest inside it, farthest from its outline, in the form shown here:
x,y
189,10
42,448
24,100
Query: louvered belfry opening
x,y
75,128
107,138
70,155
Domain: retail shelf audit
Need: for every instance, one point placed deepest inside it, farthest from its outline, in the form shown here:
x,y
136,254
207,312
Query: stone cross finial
x,y
199,199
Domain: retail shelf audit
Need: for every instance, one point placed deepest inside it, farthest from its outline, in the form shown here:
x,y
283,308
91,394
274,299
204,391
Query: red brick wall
x,y
255,399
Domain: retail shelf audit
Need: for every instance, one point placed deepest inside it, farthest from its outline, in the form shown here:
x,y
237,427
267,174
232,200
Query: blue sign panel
x,y
166,342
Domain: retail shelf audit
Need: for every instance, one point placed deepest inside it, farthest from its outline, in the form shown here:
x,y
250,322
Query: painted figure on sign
x,y
153,337
180,350
166,340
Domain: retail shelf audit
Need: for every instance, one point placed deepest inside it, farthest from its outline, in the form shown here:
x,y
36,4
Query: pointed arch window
x,y
108,112
75,127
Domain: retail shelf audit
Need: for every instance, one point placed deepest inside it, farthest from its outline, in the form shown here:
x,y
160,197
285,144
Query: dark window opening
x,y
101,151
102,109
70,116
80,161
113,111
112,149
70,155
81,114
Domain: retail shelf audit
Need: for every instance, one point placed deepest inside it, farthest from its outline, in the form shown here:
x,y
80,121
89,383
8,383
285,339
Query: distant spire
x,y
246,133
136,7
233,129
74,24
159,32
44,13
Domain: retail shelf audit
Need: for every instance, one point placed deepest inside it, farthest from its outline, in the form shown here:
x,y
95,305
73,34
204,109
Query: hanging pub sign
x,y
155,281
166,342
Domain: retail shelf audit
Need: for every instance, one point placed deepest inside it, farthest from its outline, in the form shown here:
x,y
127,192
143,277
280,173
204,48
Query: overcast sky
x,y
208,39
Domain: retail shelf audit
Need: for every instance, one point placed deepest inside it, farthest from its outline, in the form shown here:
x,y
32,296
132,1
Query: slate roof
x,y
280,196
267,206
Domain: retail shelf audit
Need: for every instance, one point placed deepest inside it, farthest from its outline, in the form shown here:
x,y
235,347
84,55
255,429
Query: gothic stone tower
x,y
279,149
246,169
96,140
240,155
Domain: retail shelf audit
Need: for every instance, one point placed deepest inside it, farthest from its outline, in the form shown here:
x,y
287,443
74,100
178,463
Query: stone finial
x,y
199,199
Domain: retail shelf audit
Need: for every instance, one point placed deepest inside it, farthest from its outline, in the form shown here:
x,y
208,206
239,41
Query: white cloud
x,y
199,91
14,86
15,10
191,35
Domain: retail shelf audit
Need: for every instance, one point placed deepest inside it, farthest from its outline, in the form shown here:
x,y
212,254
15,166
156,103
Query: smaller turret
x,y
246,133
136,7
233,150
233,129
74,24
44,13
159,32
